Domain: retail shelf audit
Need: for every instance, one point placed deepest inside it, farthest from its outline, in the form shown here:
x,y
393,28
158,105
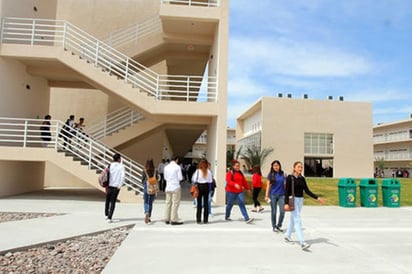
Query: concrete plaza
x,y
344,240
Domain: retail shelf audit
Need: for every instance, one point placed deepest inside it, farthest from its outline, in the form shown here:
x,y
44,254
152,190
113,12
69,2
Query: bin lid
x,y
346,182
368,182
391,182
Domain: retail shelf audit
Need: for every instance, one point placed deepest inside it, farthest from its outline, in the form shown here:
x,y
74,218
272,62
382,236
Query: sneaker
x,y
106,218
248,221
228,219
288,240
279,229
146,218
109,221
305,246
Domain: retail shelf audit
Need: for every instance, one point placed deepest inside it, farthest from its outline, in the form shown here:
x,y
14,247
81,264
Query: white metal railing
x,y
204,3
18,132
61,33
134,33
114,121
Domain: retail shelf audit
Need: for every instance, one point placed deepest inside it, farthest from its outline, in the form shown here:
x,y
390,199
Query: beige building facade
x,y
392,147
333,138
164,60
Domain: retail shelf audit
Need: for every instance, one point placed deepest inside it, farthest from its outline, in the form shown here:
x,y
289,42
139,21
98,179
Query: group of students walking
x,y
279,189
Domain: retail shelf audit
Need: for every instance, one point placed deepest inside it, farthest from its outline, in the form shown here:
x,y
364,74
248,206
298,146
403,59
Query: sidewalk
x,y
344,240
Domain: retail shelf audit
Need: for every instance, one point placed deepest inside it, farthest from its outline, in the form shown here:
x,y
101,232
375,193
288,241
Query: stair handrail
x,y
207,3
113,122
23,132
133,33
49,32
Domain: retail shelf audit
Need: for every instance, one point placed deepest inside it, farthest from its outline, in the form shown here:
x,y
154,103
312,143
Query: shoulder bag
x,y
194,191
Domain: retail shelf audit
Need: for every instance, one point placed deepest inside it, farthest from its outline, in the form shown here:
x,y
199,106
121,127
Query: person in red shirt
x,y
235,185
257,187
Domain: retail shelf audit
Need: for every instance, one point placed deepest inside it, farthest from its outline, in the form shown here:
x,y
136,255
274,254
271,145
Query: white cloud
x,y
387,95
268,56
240,88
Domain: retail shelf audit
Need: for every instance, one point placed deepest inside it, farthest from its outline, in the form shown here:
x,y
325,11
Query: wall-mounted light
x,y
28,87
35,8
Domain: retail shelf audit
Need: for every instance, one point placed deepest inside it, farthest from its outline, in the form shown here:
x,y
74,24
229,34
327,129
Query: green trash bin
x,y
368,192
391,192
347,192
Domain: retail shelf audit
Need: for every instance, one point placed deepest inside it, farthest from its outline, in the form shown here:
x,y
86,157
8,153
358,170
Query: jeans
x,y
111,197
211,193
148,201
203,201
277,200
295,221
231,197
172,205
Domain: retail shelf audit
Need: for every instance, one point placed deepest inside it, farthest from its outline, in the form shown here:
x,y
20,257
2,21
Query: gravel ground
x,y
17,216
85,254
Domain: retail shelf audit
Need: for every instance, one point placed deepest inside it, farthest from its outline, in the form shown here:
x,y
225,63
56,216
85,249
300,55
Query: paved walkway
x,y
344,240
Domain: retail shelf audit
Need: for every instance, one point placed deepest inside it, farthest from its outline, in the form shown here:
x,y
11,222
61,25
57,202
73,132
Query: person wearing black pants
x,y
203,201
111,197
202,178
116,180
257,187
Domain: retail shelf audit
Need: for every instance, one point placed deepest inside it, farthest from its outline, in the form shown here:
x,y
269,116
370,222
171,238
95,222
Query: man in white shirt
x,y
173,176
116,180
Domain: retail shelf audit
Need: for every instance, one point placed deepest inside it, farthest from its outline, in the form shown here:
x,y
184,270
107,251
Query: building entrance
x,y
318,167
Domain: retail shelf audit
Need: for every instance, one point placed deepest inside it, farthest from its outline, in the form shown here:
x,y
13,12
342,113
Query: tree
x,y
380,164
232,155
255,157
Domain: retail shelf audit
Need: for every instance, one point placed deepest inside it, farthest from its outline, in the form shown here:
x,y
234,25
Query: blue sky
x,y
358,49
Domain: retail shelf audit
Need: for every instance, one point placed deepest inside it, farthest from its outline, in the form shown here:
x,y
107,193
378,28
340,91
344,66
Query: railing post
x,y
3,21
33,30
90,153
64,34
126,71
131,117
25,133
158,95
105,126
96,59
188,88
56,137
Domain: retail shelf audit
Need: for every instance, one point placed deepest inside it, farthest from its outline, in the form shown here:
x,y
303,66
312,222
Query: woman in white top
x,y
202,178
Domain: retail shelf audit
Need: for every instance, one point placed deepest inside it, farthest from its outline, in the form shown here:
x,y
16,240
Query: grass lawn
x,y
327,188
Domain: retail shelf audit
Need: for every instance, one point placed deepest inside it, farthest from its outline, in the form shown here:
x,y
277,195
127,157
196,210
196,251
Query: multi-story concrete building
x,y
331,137
148,77
392,147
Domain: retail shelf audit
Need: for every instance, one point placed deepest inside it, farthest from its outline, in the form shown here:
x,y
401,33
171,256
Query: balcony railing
x,y
17,132
44,32
205,3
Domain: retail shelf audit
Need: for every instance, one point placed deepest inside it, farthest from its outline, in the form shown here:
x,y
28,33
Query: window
x,y
319,143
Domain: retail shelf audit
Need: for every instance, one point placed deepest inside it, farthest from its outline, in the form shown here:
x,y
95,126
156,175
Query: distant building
x,y
392,148
333,138
199,148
